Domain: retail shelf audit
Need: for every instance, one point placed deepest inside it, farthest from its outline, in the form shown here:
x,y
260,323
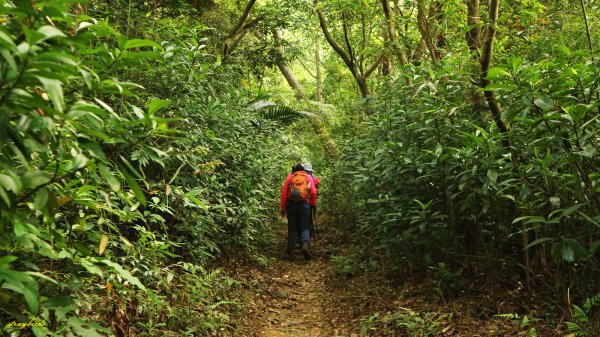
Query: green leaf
x,y
10,184
123,273
88,264
579,314
10,60
49,32
42,276
61,306
157,104
94,150
54,89
564,49
24,6
530,219
6,41
573,327
569,249
537,242
587,152
492,175
134,186
108,175
136,43
23,284
41,199
495,71
84,25
544,103
34,179
6,260
571,210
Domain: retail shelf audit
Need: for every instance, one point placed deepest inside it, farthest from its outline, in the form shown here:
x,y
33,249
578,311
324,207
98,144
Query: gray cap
x,y
307,167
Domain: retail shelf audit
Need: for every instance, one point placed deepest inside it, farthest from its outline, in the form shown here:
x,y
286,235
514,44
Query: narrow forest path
x,y
299,298
312,299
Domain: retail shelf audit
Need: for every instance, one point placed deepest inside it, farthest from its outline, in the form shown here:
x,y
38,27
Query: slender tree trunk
x,y
474,231
436,11
425,30
316,122
391,27
348,56
231,39
473,42
418,54
485,61
319,93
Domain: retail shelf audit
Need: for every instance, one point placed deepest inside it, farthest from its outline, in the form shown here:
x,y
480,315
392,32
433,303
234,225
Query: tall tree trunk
x,y
348,55
474,230
473,42
233,37
422,46
425,30
316,122
485,61
391,27
319,93
418,54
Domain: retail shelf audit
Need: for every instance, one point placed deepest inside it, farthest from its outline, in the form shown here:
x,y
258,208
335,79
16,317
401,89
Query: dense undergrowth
x,y
128,162
428,182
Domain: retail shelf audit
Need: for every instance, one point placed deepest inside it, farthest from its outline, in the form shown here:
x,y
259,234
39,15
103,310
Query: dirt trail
x,y
309,299
297,301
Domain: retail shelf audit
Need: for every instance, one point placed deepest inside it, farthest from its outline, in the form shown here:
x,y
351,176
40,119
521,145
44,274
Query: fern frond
x,y
580,314
591,302
258,105
275,112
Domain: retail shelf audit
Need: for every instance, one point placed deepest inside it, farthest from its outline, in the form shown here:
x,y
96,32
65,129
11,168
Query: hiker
x,y
297,197
313,209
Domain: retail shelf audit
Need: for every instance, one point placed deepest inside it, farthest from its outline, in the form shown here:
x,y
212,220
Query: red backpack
x,y
299,187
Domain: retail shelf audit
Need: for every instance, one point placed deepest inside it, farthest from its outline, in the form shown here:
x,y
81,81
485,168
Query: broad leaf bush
x,y
127,164
427,177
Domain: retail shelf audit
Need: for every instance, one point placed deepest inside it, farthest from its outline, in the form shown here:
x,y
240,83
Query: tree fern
x,y
275,112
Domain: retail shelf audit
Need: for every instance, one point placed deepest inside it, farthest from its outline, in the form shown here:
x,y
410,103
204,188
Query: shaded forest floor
x,y
316,299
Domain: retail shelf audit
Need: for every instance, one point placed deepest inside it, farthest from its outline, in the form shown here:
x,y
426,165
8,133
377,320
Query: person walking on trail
x,y
313,209
297,197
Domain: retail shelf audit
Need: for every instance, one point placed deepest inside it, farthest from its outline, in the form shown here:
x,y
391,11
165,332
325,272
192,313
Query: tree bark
x,y
485,61
348,56
473,36
233,37
319,78
425,30
391,28
286,71
315,121
473,21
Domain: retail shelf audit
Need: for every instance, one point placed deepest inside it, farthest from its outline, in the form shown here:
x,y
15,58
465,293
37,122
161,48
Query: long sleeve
x,y
313,191
284,192
316,180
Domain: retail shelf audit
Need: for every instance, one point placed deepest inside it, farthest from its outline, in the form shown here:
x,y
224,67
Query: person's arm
x,y
284,194
313,191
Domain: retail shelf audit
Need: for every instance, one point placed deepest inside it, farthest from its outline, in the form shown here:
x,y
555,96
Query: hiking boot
x,y
289,256
305,251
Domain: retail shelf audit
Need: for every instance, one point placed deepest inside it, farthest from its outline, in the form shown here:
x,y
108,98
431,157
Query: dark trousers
x,y
298,218
311,224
